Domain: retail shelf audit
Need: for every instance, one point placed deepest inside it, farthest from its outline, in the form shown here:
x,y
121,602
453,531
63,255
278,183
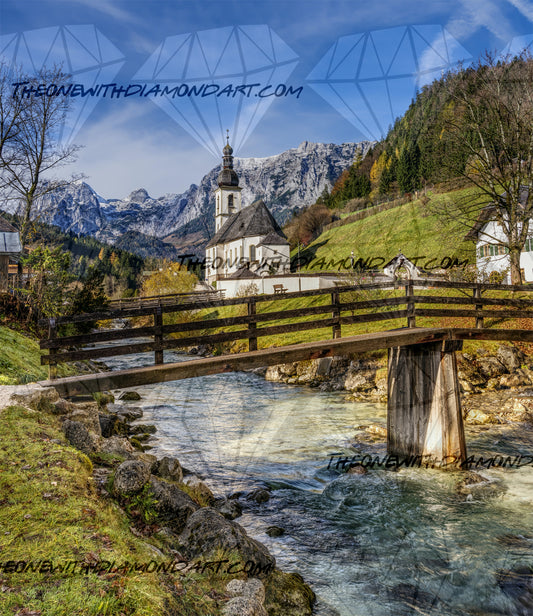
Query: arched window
x,y
230,202
252,253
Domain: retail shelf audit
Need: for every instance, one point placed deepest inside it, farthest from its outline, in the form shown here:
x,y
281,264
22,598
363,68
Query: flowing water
x,y
380,544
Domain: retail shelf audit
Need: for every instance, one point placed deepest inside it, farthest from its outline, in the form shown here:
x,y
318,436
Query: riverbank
x,y
496,386
93,525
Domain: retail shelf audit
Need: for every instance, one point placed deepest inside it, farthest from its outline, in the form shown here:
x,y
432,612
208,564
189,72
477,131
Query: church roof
x,y
250,221
273,239
243,272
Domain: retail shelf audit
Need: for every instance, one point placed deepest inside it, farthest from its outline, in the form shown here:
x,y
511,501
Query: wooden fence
x,y
410,300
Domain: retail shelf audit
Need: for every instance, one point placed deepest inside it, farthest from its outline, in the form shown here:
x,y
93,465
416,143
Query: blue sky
x,y
356,62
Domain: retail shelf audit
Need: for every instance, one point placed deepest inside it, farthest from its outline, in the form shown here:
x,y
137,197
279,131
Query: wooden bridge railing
x,y
416,302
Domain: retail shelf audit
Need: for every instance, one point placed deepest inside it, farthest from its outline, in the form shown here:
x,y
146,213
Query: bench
x,y
279,288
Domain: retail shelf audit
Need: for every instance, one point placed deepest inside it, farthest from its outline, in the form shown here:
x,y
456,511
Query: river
x,y
380,544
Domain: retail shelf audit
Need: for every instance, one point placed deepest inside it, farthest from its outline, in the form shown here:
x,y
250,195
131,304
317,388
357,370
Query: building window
x,y
230,202
492,250
218,205
252,253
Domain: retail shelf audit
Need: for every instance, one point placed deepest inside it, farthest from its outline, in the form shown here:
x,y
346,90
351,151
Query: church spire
x,y
227,177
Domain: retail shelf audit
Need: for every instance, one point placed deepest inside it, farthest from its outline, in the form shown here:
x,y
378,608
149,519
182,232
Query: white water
x,y
382,544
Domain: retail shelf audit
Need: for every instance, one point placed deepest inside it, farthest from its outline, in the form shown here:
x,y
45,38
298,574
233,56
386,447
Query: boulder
x,y
287,593
64,407
125,412
130,477
88,417
491,367
204,494
377,430
259,496
281,372
111,425
360,381
172,504
169,468
117,445
207,532
129,396
518,409
36,397
511,357
477,417
143,429
79,436
518,379
248,596
147,458
230,509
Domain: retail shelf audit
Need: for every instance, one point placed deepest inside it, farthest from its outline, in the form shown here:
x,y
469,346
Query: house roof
x,y
9,239
487,214
243,272
273,239
250,221
7,227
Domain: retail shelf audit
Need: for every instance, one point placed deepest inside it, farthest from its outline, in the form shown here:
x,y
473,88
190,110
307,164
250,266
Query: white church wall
x,y
265,284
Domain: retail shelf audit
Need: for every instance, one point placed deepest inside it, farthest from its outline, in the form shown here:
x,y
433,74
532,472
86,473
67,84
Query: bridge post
x,y
479,307
158,335
424,406
411,319
252,325
52,334
336,314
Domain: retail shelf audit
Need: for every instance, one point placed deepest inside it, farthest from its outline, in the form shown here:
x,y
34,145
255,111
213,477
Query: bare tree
x,y
490,133
30,147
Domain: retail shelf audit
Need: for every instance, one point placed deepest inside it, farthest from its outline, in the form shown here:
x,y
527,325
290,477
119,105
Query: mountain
x,y
294,178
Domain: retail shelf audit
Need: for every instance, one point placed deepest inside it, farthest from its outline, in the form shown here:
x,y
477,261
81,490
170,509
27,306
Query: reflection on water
x,y
381,544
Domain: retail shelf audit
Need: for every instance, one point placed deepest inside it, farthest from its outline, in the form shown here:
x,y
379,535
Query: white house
x,y
246,237
491,256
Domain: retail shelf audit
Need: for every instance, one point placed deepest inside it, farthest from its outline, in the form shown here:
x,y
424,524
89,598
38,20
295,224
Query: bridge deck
x,y
104,381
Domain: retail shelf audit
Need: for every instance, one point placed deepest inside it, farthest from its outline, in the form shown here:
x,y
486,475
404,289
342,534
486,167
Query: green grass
x,y
20,359
410,228
49,510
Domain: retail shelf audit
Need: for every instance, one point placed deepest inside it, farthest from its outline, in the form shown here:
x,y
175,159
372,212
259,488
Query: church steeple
x,y
227,176
228,193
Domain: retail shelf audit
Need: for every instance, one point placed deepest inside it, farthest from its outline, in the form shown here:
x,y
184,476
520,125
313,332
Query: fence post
x,y
477,295
411,319
336,313
252,325
52,334
158,335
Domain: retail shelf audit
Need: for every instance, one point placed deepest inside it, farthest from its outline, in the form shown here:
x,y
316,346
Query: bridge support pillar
x,y
424,406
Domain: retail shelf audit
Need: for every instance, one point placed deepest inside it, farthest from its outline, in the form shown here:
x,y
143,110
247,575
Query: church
x,y
248,243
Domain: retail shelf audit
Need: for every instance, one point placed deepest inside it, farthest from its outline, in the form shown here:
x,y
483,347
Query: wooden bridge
x,y
424,409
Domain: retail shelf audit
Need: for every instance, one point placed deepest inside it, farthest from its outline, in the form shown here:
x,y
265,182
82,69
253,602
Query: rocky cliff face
x,y
291,179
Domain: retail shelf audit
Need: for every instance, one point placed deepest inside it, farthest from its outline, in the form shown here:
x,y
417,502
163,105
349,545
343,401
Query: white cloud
x,y
129,148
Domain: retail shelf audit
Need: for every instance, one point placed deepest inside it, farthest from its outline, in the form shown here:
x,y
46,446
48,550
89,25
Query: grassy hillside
x,y
20,359
413,228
